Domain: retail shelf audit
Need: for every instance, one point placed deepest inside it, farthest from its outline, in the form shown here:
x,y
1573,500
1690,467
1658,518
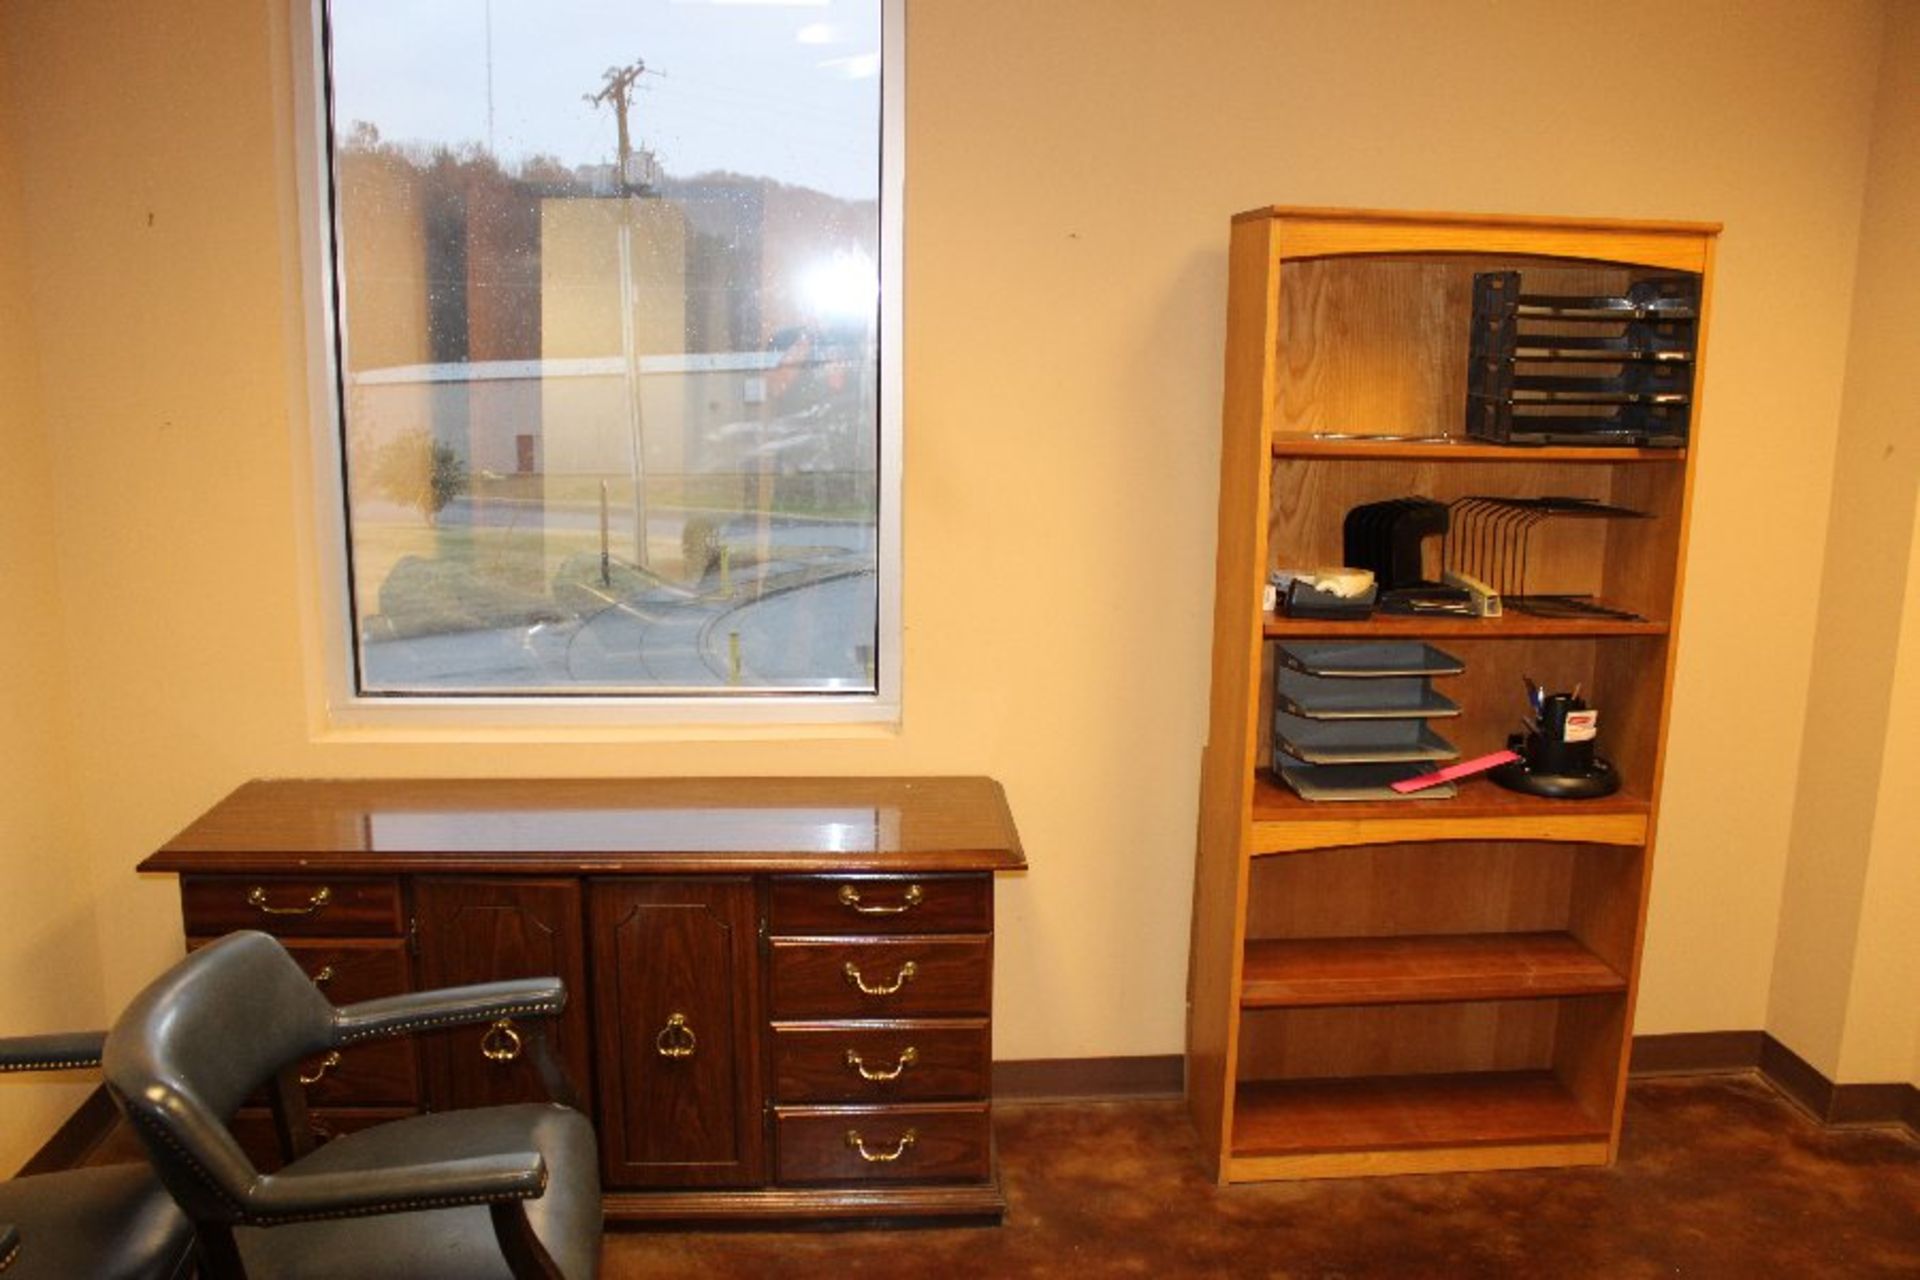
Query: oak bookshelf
x,y
1428,985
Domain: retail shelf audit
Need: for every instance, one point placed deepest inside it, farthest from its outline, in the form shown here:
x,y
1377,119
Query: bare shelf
x,y
1303,972
1381,1113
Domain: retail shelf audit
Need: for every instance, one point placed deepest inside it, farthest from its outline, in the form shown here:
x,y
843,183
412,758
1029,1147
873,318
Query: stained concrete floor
x,y
1718,1177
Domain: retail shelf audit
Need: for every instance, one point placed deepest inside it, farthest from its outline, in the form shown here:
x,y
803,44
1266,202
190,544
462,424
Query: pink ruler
x,y
1465,769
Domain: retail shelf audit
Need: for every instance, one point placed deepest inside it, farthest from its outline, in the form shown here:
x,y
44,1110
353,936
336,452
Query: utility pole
x,y
616,91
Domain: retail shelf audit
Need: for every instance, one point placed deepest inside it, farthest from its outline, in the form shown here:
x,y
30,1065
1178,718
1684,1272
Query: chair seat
x,y
442,1244
114,1223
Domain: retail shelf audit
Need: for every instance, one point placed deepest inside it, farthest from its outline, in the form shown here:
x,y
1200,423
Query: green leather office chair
x,y
508,1191
114,1222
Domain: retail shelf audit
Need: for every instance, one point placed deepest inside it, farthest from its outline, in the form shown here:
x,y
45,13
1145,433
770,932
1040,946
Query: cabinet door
x,y
486,929
675,1007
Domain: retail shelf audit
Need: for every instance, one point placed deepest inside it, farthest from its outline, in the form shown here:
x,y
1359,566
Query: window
x,y
614,347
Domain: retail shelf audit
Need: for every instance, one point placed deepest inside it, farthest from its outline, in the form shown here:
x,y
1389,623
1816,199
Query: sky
x,y
786,89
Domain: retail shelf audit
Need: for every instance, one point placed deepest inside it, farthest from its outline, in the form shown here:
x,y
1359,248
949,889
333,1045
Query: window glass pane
x,y
609,350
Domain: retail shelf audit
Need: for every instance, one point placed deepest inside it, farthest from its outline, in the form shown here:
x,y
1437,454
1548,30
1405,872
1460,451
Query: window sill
x,y
605,721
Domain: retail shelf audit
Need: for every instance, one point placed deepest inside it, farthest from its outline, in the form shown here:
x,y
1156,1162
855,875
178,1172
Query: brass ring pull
x,y
501,1043
676,1039
900,980
908,1056
913,897
323,977
881,1157
257,897
327,1064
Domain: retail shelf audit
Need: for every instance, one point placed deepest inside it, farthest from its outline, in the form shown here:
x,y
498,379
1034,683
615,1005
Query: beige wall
x,y
1846,981
1882,997
1070,222
49,945
1072,168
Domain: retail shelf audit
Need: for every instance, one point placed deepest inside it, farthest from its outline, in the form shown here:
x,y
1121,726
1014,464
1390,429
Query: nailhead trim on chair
x,y
159,1131
50,1064
248,1219
545,1008
391,1206
11,1254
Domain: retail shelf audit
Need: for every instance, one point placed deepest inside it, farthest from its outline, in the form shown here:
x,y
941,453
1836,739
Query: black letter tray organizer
x,y
1349,719
1551,369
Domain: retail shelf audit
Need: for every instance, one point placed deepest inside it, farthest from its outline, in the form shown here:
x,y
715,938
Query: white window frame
x,y
337,704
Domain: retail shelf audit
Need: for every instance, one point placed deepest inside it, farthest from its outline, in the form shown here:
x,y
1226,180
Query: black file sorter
x,y
1351,718
1555,369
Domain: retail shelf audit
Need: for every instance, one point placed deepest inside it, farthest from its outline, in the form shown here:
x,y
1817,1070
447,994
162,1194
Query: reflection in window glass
x,y
608,351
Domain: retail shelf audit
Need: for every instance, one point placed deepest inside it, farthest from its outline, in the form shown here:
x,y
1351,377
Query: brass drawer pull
x,y
900,980
880,1157
913,897
322,978
257,897
908,1056
676,1039
501,1043
327,1064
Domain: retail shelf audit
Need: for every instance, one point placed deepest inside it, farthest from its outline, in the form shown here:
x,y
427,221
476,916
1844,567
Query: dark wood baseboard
x,y
78,1138
1839,1104
1799,1079
1068,1079
1696,1053
1706,1052
1874,1104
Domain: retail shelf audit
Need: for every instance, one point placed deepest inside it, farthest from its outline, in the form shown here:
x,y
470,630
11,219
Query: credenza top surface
x,y
633,825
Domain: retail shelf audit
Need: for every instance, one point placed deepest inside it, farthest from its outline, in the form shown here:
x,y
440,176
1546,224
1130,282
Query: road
x,y
802,622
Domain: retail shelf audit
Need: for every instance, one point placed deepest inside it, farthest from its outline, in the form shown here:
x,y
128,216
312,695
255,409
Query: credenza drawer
x,y
293,906
376,1073
348,972
880,1061
880,978
840,1145
880,904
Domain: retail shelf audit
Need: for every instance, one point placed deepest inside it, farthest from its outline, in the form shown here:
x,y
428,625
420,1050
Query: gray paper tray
x,y
1370,658
1344,698
1356,781
1359,741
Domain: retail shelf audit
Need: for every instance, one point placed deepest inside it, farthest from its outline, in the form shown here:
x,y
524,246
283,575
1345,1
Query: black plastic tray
x,y
1356,781
1344,698
1342,659
1359,741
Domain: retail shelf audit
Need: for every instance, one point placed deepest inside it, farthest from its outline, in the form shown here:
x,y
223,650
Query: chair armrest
x,y
59,1052
449,1007
304,1197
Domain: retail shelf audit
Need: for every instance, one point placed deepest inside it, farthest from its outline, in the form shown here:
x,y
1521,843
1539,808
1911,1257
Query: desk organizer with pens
x,y
1557,757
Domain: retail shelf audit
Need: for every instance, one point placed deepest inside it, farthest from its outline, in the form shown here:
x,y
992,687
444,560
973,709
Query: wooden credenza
x,y
781,989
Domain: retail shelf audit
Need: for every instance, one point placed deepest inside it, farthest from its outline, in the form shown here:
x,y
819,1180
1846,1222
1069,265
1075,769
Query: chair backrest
x,y
194,1044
